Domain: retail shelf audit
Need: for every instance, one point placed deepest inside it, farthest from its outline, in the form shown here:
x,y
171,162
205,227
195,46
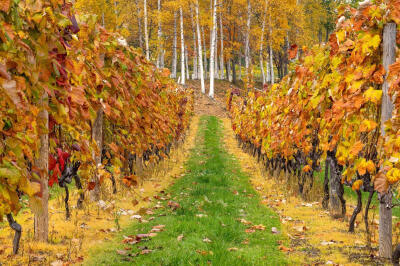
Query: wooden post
x,y
385,209
97,135
41,219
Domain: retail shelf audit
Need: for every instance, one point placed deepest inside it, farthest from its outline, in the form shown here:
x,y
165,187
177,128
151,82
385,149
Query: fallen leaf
x,y
206,240
180,237
122,252
146,251
232,249
258,227
274,230
57,263
285,249
136,216
243,221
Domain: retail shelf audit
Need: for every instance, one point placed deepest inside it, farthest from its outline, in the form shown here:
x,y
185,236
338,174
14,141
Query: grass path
x,y
205,217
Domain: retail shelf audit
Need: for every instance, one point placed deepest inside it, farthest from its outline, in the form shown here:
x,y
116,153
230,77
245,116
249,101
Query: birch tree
x,y
203,88
187,63
271,52
139,21
183,81
146,33
212,49
205,53
261,51
159,36
174,53
195,56
247,41
221,57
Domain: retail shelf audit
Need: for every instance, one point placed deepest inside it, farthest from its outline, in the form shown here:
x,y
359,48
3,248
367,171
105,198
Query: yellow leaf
x,y
368,126
373,95
357,185
370,166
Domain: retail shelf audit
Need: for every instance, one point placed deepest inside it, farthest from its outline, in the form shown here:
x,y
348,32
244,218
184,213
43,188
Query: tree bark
x,y
234,80
335,188
240,67
159,35
261,51
41,219
271,52
205,54
228,70
140,36
216,72
203,88
195,56
212,49
187,63
97,136
182,50
146,33
385,206
174,55
221,57
247,42
271,64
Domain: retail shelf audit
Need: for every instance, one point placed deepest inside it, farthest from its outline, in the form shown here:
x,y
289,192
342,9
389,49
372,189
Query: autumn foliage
x,y
331,102
78,68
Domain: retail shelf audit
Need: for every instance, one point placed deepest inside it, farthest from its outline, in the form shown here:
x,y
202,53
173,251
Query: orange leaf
x,y
5,5
293,51
357,185
357,147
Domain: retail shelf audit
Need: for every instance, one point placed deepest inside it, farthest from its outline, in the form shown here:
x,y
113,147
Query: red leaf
x,y
52,162
62,158
91,185
293,51
54,177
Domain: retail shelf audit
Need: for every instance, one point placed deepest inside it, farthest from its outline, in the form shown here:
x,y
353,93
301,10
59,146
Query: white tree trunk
x,y
271,65
205,53
174,55
203,88
216,72
146,33
247,42
187,63
261,52
162,59
215,43
41,219
212,51
268,80
385,208
229,71
159,35
195,56
221,57
183,81
271,52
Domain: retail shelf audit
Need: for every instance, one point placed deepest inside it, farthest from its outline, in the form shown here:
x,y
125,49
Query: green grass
x,y
212,176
